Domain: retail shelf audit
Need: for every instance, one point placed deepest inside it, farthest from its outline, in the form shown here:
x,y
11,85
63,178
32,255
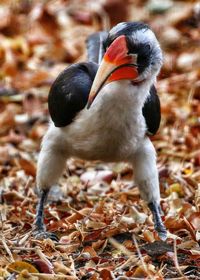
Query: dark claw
x,y
45,234
161,230
158,224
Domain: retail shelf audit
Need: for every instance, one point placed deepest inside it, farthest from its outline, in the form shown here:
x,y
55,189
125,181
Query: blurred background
x,y
38,39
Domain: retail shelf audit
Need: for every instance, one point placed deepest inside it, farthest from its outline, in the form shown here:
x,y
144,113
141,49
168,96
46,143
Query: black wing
x,y
151,111
69,92
95,46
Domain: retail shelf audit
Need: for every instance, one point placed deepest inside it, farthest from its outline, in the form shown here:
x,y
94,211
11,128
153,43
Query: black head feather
x,y
123,28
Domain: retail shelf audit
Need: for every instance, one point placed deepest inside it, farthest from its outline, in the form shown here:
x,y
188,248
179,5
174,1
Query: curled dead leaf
x,y
7,117
148,236
28,166
20,266
176,187
194,219
139,217
140,272
95,224
174,223
90,250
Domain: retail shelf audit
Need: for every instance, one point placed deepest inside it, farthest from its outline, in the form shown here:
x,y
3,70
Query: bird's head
x,y
132,52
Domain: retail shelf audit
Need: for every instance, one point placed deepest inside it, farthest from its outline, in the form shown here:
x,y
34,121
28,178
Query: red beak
x,y
116,65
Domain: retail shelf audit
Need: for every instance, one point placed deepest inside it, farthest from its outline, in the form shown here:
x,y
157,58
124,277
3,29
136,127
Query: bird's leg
x,y
40,211
158,224
40,230
146,177
51,163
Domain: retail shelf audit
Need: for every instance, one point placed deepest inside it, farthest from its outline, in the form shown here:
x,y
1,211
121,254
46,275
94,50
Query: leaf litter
x,y
105,230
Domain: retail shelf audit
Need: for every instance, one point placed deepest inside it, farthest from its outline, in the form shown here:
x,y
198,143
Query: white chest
x,y
112,128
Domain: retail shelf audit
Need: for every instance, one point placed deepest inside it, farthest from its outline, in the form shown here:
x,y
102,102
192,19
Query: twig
x,y
28,212
76,211
176,262
132,258
3,214
43,257
141,257
47,276
162,268
53,276
72,267
20,248
120,247
24,238
191,92
176,278
28,183
197,198
7,249
180,154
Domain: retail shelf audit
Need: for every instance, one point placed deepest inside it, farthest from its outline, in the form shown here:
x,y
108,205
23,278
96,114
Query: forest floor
x,y
105,230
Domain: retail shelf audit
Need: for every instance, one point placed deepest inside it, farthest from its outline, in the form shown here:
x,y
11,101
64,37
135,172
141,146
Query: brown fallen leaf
x,y
40,39
18,266
7,117
42,266
106,274
27,165
12,196
194,219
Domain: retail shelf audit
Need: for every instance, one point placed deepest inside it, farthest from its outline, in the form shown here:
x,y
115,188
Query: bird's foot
x,y
42,234
161,230
158,224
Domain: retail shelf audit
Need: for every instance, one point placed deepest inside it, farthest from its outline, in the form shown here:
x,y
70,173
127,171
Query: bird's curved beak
x,y
116,65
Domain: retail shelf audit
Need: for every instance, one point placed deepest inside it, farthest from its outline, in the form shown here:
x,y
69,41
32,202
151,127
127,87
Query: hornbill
x,y
104,109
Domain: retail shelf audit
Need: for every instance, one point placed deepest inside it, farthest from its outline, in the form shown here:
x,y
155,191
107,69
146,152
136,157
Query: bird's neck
x,y
124,93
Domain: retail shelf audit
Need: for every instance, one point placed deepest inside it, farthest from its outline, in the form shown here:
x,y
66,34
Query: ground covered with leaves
x,y
105,230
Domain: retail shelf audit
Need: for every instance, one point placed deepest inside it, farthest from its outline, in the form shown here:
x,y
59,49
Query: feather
x,y
69,92
95,46
151,111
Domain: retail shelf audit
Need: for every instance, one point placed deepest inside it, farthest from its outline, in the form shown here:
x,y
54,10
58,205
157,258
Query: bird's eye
x,y
148,46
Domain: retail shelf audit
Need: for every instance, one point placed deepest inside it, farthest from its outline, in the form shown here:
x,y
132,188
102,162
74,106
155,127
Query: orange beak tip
x,y
88,105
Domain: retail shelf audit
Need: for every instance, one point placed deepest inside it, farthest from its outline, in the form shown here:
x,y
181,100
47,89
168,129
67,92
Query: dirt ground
x,y
105,230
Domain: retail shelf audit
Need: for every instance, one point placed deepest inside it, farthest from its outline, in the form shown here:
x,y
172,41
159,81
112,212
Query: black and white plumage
x,y
151,111
69,93
124,108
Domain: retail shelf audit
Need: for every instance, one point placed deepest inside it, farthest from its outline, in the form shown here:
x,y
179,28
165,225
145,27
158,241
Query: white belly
x,y
111,130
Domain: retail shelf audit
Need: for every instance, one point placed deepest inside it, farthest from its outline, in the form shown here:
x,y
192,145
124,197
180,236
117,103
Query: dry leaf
x,y
20,266
99,200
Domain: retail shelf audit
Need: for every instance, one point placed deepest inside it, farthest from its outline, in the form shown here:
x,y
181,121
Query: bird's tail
x,y
94,44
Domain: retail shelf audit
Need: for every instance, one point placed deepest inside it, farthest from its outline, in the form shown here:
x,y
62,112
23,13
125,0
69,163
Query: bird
x,y
106,109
